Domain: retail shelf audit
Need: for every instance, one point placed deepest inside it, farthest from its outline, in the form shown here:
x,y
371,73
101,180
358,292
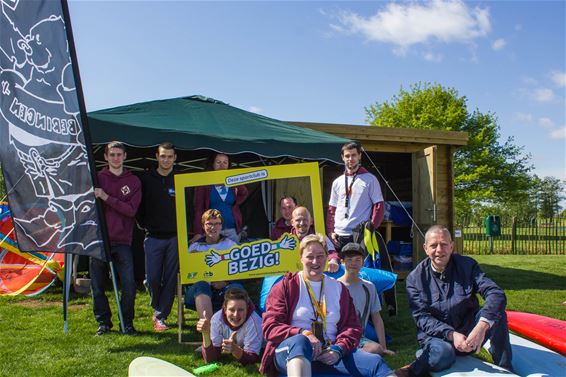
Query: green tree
x,y
425,106
487,170
549,191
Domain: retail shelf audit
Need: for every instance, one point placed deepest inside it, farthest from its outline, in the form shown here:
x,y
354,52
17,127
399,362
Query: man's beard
x,y
354,167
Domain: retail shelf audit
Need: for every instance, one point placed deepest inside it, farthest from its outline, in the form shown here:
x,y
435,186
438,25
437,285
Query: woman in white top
x,y
234,330
203,296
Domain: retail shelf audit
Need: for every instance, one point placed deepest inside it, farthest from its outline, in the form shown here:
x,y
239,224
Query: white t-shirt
x,y
365,193
200,247
305,314
364,295
249,336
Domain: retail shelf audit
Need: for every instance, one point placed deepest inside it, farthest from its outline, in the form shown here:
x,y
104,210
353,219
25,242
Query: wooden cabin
x,y
415,166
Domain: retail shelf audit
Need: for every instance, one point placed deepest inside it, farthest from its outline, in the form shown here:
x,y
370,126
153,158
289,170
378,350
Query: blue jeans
x,y
204,288
437,355
124,263
161,268
358,363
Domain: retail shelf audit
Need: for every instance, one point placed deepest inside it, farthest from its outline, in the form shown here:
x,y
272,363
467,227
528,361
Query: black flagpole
x,y
88,145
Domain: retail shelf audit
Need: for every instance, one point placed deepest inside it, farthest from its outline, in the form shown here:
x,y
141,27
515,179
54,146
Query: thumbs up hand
x,y
230,345
203,324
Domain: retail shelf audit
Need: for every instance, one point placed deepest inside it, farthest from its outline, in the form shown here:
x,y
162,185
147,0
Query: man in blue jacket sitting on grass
x,y
442,292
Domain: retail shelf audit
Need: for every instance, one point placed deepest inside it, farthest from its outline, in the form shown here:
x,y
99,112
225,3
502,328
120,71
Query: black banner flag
x,y
45,158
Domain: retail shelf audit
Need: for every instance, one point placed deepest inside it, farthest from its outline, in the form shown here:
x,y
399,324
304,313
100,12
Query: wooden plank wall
x,y
445,191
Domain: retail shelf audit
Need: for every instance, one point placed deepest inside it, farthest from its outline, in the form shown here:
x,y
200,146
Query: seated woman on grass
x,y
311,326
234,330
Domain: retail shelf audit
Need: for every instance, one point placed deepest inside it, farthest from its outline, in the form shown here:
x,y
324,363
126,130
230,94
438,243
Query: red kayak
x,y
549,332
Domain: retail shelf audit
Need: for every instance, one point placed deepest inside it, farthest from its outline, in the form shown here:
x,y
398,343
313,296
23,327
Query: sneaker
x,y
159,325
130,330
103,329
404,372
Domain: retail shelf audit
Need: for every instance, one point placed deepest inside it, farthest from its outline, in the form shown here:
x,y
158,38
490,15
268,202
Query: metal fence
x,y
538,236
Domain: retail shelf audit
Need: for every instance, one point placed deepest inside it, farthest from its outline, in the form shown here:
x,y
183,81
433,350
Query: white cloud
x,y
545,122
408,24
524,117
559,133
543,95
432,57
559,78
498,44
254,109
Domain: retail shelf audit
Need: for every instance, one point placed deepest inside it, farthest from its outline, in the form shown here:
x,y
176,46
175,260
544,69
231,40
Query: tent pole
x,y
120,315
68,269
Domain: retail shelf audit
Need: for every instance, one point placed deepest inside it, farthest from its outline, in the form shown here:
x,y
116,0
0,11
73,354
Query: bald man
x,y
302,221
442,292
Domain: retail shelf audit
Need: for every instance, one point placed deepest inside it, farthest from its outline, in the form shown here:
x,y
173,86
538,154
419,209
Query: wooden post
x,y
180,310
388,226
514,235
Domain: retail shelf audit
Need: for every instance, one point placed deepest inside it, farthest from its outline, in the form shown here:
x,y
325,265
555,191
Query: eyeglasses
x,y
212,225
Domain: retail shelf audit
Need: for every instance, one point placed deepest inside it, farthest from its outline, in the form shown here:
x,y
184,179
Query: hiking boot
x,y
130,330
159,325
103,329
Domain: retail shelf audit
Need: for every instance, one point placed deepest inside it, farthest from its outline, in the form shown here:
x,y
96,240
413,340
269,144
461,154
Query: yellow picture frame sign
x,y
255,259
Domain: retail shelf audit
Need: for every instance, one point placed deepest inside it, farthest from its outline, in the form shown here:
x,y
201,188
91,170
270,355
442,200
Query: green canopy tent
x,y
198,122
197,125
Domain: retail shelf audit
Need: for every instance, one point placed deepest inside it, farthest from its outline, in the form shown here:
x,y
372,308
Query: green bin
x,y
493,226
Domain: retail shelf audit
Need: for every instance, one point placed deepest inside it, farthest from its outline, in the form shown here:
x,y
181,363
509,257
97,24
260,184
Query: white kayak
x,y
533,360
469,366
151,366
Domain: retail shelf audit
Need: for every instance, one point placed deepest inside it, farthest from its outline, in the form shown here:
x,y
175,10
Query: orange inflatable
x,y
22,272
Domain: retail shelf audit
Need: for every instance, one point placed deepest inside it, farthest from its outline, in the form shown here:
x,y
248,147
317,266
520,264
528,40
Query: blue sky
x,y
319,61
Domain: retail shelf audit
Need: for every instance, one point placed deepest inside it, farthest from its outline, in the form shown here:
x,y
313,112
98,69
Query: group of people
x,y
151,200
312,324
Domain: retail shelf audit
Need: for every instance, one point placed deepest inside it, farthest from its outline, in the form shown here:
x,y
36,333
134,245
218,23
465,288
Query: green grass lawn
x,y
33,343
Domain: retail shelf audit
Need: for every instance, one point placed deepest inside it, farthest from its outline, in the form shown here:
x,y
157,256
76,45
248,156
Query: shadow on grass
x,y
517,279
167,344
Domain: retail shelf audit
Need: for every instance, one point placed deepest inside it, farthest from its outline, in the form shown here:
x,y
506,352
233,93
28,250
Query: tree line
x,y
492,175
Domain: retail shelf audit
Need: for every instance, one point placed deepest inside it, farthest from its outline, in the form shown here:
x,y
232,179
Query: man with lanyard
x,y
158,217
355,198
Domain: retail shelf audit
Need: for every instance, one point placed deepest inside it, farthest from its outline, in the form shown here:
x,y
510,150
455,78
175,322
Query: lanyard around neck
x,y
348,191
318,306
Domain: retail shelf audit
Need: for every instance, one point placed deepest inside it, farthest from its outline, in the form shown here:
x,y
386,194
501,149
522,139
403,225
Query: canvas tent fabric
x,y
198,122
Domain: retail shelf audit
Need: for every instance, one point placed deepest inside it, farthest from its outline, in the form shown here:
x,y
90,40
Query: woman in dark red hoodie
x,y
310,323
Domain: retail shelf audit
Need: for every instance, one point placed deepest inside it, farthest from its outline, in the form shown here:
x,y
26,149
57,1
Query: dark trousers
x,y
123,261
437,355
342,241
161,268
